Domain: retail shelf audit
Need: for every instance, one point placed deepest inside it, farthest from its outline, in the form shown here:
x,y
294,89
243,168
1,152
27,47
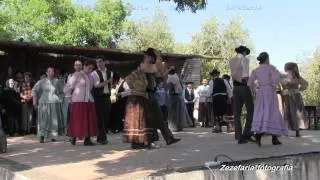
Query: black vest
x,y
98,92
219,86
189,97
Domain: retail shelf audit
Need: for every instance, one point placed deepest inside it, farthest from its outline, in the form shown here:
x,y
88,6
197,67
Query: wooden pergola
x,y
36,58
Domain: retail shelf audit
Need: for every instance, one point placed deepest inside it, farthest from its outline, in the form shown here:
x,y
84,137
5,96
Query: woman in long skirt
x,y
28,114
176,114
292,83
138,126
267,118
204,97
47,98
10,100
83,120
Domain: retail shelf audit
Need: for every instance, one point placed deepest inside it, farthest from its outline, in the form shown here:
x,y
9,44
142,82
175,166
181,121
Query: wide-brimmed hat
x,y
242,49
189,82
150,52
215,72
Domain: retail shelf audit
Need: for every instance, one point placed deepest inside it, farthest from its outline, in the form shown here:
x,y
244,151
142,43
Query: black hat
x,y
226,76
214,72
189,82
150,52
242,49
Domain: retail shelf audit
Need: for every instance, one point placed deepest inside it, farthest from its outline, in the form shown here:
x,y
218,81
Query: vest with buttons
x,y
98,92
189,97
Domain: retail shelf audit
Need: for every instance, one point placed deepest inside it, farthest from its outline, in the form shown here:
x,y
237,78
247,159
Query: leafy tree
x,y
182,48
4,31
310,71
234,34
192,5
154,32
61,22
219,40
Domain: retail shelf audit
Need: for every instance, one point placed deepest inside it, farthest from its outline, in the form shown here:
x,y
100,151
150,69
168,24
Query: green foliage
x,y
154,32
310,71
219,40
4,21
193,5
61,22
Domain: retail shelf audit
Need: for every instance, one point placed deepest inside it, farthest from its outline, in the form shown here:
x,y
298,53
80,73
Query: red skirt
x,y
83,120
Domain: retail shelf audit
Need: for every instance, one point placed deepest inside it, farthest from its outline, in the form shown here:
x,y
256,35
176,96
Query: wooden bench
x,y
312,117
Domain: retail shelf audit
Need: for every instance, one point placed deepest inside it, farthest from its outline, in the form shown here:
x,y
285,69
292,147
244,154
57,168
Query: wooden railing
x,y
312,117
310,114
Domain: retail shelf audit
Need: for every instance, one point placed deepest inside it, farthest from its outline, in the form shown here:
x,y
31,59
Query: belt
x,y
237,83
290,92
220,94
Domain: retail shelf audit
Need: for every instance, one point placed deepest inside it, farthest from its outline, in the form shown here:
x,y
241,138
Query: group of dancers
x,y
88,92
265,84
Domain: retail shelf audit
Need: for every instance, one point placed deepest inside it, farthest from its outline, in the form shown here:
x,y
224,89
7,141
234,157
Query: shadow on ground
x,y
198,145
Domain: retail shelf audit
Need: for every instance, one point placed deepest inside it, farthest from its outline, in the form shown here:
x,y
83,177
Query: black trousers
x,y
190,108
219,108
164,110
117,115
159,121
103,105
242,96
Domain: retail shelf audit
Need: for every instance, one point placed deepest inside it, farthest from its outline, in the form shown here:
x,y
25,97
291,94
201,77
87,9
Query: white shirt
x,y
239,67
203,93
245,66
229,88
127,90
96,79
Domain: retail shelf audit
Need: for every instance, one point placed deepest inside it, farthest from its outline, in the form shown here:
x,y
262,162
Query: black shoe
x,y
258,139
275,141
53,140
73,141
242,141
41,139
88,143
298,134
216,131
172,141
138,146
115,131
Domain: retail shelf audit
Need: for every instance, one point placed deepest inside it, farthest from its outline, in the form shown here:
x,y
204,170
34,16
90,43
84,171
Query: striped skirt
x,y
137,127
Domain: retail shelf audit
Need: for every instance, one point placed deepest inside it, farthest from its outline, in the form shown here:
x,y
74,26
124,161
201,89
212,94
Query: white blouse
x,y
203,93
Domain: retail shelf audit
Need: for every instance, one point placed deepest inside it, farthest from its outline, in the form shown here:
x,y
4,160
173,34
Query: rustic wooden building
x,y
36,58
